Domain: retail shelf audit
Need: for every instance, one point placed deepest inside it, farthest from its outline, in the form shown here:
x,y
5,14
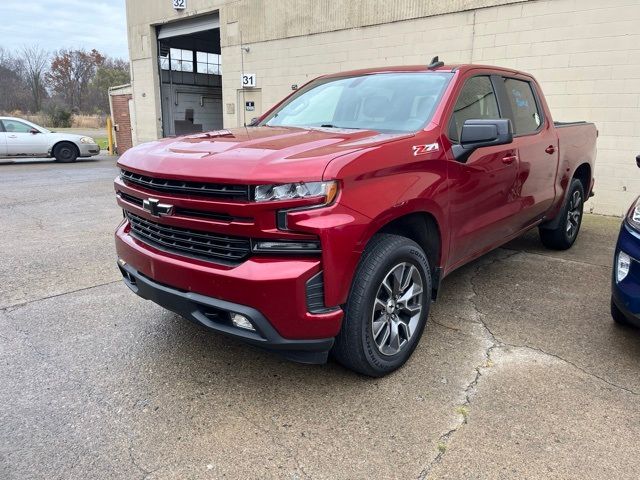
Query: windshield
x,y
385,102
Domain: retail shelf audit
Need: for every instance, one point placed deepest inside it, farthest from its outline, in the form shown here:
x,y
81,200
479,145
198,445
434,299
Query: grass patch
x,y
442,447
102,141
464,411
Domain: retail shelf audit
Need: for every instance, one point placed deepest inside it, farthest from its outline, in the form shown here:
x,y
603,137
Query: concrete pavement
x,y
520,374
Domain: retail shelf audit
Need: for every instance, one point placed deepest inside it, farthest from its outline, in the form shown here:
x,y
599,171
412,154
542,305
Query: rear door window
x,y
476,101
526,115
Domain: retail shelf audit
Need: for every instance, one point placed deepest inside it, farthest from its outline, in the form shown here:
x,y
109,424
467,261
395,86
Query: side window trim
x,y
2,130
507,105
493,79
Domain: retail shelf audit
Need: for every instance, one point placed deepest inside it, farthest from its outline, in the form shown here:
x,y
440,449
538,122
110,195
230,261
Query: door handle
x,y
12,136
550,149
509,159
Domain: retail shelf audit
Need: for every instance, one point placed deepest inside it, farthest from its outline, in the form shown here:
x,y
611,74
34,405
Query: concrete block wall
x,y
585,53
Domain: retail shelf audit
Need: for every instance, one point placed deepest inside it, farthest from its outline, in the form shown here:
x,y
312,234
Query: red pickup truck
x,y
328,225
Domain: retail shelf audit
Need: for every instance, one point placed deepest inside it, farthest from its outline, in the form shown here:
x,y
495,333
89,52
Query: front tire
x,y
387,307
65,152
564,235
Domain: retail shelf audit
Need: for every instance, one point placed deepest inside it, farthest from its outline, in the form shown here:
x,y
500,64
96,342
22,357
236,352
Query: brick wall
x,y
122,118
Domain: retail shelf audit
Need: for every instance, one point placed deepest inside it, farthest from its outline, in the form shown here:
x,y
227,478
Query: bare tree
x,y
35,61
15,92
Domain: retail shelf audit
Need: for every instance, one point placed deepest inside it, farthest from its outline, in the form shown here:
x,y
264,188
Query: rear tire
x,y
387,307
564,235
617,315
65,152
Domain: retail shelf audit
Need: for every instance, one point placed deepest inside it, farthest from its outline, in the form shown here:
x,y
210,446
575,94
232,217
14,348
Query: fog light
x,y
623,265
241,321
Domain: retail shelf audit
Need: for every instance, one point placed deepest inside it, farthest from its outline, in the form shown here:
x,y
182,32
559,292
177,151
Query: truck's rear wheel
x,y
387,307
565,233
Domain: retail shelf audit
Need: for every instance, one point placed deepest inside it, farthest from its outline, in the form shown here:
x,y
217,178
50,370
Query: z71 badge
x,y
422,149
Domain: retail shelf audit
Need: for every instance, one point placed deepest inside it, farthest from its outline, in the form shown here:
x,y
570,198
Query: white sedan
x,y
20,138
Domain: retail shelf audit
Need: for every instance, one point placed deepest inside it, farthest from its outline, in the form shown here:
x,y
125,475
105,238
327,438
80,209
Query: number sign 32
x,y
179,4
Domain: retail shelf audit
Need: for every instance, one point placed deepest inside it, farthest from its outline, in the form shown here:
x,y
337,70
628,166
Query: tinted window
x,y
526,118
476,101
16,127
385,102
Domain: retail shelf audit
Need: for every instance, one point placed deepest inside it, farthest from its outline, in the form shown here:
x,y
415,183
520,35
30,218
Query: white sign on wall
x,y
248,80
179,4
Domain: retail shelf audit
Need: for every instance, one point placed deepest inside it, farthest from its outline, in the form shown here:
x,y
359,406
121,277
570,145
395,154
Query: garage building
x,y
191,58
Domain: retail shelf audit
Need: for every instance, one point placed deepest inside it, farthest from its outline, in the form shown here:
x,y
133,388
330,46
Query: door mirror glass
x,y
482,133
34,131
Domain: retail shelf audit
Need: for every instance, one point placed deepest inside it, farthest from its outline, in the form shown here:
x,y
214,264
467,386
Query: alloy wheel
x,y
397,308
574,214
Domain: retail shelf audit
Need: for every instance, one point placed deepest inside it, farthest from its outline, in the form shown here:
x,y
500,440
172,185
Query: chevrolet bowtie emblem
x,y
157,209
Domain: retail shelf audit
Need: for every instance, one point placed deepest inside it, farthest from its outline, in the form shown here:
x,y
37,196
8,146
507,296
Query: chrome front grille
x,y
214,190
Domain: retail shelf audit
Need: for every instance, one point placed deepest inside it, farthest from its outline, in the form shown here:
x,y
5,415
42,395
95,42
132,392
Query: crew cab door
x,y
483,192
21,142
537,144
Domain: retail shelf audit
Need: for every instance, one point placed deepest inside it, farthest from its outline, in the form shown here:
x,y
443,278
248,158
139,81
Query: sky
x,y
56,24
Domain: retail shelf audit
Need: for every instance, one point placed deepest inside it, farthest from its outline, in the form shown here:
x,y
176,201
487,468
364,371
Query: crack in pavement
x,y
495,343
15,306
444,439
559,259
502,344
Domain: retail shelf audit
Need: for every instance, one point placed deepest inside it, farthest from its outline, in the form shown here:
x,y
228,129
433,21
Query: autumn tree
x,y
70,74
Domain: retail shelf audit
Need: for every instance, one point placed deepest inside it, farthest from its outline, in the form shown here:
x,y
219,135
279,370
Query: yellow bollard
x,y
110,135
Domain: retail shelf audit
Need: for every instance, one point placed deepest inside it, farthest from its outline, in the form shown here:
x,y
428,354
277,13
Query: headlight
x,y
87,140
289,191
633,215
623,264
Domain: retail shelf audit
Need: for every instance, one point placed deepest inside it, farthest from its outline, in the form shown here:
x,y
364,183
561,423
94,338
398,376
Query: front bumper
x,y
213,314
271,289
626,293
88,149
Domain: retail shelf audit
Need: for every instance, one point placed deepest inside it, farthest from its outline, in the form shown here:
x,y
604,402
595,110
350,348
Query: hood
x,y
250,155
67,136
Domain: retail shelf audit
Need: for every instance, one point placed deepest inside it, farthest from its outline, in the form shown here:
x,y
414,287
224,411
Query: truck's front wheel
x,y
566,231
387,307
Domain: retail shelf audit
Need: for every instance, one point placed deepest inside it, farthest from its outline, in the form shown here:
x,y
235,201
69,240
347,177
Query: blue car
x,y
625,284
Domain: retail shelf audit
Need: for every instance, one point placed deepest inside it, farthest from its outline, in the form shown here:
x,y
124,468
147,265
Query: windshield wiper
x,y
328,125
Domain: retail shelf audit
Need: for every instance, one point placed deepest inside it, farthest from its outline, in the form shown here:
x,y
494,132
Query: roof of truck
x,y
423,68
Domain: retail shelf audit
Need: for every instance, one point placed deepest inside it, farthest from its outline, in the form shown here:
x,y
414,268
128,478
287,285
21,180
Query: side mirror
x,y
482,133
34,131
638,161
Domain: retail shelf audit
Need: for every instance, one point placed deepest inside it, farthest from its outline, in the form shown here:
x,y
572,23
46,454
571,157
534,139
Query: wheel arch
x,y
59,142
424,228
584,174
